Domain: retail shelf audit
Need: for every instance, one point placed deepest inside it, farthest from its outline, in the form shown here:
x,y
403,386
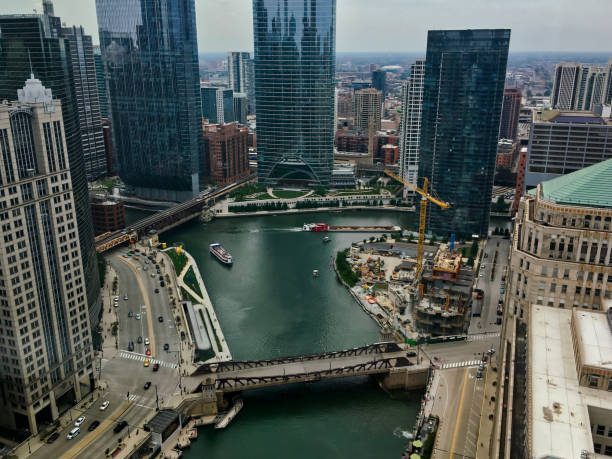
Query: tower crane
x,y
425,197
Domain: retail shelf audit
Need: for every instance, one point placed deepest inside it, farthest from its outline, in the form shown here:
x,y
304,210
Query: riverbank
x,y
338,210
204,306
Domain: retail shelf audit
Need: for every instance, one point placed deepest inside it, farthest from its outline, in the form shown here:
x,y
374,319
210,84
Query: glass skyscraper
x,y
462,98
149,49
34,43
295,44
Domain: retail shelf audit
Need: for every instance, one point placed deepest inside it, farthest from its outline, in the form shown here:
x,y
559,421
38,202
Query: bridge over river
x,y
388,359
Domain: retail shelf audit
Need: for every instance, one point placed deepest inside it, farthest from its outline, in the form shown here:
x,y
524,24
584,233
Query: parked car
x,y
130,314
73,433
80,420
51,438
166,347
93,425
104,405
161,278
125,297
156,290
156,367
120,426
161,284
147,385
160,319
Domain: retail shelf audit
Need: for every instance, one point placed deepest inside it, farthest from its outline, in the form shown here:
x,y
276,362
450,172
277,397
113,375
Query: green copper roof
x,y
591,186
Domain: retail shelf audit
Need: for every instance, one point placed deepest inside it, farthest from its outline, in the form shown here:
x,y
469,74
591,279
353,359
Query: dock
x,y
365,229
230,415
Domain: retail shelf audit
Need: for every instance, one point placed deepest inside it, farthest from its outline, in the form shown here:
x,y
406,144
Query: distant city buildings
x,y
379,81
226,152
508,127
563,142
240,71
580,86
462,100
410,124
241,107
368,107
294,90
34,43
154,96
217,104
43,297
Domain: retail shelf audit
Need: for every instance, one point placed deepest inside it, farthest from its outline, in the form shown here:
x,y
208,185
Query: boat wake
x,y
398,432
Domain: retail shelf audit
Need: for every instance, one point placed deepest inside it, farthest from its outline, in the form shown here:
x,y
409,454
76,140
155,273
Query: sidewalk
x,y
485,430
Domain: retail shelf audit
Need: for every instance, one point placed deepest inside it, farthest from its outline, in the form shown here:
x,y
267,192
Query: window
x,y
539,301
541,286
566,274
600,429
597,448
563,288
578,289
553,287
594,382
608,450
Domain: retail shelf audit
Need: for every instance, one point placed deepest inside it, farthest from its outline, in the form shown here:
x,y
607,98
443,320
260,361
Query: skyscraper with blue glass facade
x,y
462,99
149,49
295,44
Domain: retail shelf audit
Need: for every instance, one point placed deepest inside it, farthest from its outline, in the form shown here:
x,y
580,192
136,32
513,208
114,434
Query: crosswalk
x,y
466,363
140,358
482,336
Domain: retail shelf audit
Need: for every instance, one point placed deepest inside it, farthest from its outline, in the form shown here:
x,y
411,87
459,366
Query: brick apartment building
x,y
226,152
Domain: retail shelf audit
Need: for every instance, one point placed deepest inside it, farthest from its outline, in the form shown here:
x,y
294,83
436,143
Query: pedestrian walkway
x,y
141,358
482,336
466,363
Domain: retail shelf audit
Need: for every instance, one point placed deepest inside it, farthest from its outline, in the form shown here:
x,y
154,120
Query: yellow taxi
x,y
147,362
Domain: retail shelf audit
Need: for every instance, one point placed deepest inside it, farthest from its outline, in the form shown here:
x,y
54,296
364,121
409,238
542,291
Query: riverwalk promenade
x,y
213,328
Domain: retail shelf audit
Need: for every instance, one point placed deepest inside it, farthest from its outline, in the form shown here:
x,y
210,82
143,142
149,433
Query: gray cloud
x,y
392,25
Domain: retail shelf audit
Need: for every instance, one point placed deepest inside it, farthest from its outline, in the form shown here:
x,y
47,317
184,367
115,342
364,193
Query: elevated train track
x,y
166,219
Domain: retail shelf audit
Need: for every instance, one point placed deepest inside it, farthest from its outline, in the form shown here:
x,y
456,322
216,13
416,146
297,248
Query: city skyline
x,y
564,29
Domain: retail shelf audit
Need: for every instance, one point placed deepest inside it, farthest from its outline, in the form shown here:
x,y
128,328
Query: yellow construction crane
x,y
425,196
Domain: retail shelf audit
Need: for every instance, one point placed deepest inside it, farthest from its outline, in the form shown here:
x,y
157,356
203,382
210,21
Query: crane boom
x,y
425,197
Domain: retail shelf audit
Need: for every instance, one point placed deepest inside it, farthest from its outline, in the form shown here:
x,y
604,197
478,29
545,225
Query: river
x,y
269,305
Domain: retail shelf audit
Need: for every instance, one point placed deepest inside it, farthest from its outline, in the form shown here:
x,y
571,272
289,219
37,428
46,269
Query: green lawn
x,y
190,279
264,196
289,194
187,297
178,260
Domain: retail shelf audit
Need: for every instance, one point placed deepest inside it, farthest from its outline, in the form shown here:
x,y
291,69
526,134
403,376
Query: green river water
x,y
269,305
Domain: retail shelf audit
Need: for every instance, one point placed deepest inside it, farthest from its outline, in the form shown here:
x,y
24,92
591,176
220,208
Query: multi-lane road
x,y
124,375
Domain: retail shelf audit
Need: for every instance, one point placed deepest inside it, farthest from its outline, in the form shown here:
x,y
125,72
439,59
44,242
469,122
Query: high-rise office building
x,y
43,298
102,97
410,124
295,60
84,79
368,106
564,142
217,105
241,107
565,85
379,81
34,43
592,87
463,91
240,70
511,107
150,55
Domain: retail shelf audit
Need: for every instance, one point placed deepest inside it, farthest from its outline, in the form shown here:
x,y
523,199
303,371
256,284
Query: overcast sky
x,y
391,25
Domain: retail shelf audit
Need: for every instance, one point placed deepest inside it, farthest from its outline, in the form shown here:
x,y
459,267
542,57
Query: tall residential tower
x,y
150,55
410,124
295,57
462,99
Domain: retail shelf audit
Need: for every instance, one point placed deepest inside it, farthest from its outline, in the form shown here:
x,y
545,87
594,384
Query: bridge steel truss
x,y
233,365
235,384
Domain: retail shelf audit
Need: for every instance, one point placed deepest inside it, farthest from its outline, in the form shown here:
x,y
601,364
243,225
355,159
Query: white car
x,y
125,297
73,433
137,316
80,420
147,342
104,405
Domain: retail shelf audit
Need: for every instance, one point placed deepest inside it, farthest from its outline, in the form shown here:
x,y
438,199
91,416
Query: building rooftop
x,y
559,409
595,339
591,186
570,117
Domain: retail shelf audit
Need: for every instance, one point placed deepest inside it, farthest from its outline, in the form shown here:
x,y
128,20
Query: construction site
x,y
415,290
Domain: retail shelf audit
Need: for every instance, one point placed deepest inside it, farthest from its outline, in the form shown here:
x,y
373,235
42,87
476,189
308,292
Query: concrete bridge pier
x,y
222,401
406,378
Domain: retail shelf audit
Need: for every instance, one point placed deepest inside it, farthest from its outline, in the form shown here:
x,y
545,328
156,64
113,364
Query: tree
x,y
474,249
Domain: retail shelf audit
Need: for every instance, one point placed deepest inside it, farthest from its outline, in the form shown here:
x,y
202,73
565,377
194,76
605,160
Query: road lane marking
x,y
452,449
145,296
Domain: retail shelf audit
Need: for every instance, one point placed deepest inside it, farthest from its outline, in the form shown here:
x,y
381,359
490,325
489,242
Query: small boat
x,y
222,255
315,273
326,239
